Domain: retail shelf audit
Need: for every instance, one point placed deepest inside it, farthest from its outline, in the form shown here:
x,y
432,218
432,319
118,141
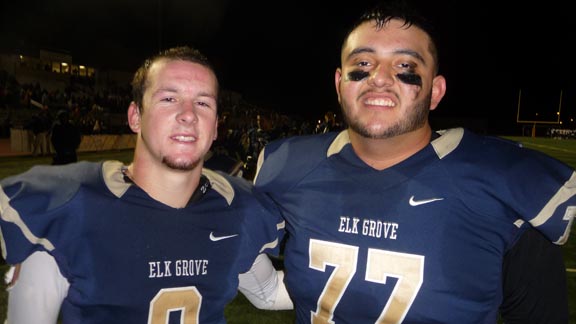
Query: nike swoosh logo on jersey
x,y
218,238
414,202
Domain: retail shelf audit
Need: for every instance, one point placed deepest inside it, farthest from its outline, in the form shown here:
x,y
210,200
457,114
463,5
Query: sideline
x,y
19,144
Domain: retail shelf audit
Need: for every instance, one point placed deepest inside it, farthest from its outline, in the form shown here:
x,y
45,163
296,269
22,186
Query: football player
x,y
390,221
160,240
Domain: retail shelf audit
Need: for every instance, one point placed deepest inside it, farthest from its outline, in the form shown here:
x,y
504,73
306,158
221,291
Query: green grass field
x,y
240,311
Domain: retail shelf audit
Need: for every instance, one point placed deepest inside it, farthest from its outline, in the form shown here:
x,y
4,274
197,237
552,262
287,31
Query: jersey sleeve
x,y
277,169
263,225
500,177
543,191
29,205
258,218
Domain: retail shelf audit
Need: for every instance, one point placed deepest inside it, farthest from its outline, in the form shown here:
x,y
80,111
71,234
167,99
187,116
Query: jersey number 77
x,y
408,268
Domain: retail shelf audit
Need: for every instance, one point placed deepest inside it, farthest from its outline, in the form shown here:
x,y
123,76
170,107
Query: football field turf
x,y
240,311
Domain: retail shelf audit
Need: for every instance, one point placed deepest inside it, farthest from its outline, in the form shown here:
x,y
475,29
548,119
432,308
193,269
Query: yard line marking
x,y
542,146
570,270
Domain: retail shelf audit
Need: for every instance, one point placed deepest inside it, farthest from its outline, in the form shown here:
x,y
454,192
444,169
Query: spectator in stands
x,y
329,124
3,94
161,240
65,138
40,125
6,124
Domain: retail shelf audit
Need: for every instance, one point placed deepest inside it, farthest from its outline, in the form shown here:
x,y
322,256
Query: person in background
x,y
65,138
160,240
40,125
328,124
390,221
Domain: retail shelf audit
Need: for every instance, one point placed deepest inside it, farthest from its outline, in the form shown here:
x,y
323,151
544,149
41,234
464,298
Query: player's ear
x,y
134,117
438,91
337,80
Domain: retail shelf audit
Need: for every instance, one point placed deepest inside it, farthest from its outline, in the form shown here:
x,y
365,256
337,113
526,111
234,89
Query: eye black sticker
x,y
408,78
358,75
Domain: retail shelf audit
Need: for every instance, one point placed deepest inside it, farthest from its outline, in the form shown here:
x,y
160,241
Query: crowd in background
x,y
243,128
86,105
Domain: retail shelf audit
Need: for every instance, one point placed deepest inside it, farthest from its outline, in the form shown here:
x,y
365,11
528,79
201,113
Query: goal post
x,y
533,119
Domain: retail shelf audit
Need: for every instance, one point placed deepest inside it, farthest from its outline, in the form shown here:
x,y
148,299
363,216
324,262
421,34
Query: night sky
x,y
282,55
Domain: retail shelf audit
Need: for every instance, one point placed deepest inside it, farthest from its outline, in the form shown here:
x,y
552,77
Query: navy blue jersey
x,y
420,242
128,257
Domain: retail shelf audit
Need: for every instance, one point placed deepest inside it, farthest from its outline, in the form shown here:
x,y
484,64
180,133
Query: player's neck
x,y
170,187
381,154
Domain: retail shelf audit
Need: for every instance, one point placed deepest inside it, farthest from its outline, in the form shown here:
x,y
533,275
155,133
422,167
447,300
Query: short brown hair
x,y
184,53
